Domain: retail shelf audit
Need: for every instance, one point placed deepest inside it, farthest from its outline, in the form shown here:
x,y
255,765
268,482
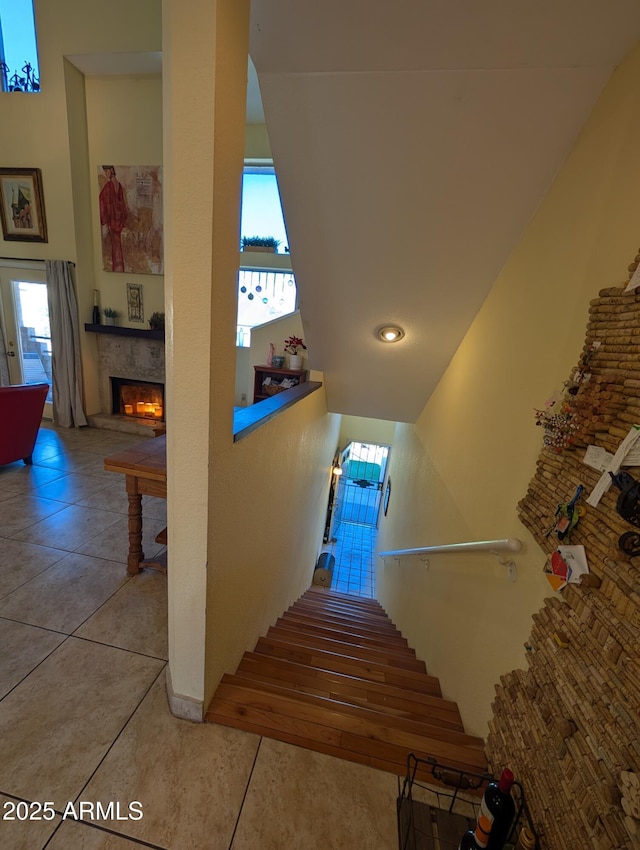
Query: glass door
x,y
364,466
24,313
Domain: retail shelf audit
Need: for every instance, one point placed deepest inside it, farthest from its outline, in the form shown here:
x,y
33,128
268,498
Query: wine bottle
x,y
476,839
96,308
498,806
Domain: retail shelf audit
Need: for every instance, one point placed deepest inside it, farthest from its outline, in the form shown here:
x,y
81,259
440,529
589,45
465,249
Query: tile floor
x,y
85,728
354,551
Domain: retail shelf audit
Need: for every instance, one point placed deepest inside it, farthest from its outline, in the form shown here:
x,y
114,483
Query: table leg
x,y
136,555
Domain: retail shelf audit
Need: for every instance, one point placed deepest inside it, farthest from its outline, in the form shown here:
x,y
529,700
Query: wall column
x,y
202,198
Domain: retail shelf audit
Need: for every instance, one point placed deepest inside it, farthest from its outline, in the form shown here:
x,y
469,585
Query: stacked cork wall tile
x,y
569,725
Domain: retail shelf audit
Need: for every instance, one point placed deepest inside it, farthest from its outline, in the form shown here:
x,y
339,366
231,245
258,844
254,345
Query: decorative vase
x,y
109,320
295,361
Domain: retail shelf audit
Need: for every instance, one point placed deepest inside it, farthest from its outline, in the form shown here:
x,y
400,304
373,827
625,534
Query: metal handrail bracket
x,y
508,544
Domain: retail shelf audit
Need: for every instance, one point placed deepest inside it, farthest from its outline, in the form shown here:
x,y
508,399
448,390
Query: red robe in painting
x,y
114,213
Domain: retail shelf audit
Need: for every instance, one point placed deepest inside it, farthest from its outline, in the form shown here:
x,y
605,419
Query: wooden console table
x,y
145,469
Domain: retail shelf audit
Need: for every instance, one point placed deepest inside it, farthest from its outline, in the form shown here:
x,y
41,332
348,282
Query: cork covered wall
x,y
569,724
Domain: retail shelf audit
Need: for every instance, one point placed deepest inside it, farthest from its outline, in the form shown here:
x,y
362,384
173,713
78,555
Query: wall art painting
x,y
130,199
22,205
134,302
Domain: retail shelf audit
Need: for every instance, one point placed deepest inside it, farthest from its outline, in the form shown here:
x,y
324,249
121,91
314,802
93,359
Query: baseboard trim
x,y
186,708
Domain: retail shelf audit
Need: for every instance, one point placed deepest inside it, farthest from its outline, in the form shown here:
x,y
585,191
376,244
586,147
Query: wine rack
x,y
438,803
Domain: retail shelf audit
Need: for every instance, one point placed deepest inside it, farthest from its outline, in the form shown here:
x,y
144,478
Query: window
x,y
264,294
261,208
19,70
262,297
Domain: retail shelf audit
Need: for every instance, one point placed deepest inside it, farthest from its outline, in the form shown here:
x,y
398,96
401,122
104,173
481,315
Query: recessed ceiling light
x,y
390,333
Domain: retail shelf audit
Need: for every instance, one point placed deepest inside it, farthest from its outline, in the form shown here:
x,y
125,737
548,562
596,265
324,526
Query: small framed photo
x,y
22,205
135,306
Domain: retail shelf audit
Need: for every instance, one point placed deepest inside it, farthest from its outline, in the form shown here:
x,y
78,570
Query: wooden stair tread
x,y
322,594
355,605
346,717
301,609
321,688
387,631
377,669
350,638
393,659
335,675
393,644
333,661
326,603
378,626
340,730
352,689
367,713
377,693
342,609
332,664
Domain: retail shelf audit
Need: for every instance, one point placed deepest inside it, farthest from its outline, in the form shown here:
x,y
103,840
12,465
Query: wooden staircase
x,y
335,675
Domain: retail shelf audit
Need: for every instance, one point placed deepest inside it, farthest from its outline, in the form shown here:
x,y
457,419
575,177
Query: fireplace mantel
x,y
118,331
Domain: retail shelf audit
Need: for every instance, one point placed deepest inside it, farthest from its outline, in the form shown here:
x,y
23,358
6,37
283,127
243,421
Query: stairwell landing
x,y
354,551
334,675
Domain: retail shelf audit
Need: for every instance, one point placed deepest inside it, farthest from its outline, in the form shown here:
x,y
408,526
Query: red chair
x,y
21,409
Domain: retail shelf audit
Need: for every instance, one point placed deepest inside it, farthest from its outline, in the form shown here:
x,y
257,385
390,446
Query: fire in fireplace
x,y
140,399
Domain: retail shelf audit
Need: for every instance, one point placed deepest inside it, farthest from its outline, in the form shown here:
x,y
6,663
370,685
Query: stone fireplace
x,y
131,375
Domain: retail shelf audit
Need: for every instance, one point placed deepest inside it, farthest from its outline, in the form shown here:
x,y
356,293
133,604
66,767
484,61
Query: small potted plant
x,y
110,316
293,346
156,322
260,243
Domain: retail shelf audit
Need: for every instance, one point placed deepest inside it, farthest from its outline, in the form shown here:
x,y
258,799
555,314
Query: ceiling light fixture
x,y
390,333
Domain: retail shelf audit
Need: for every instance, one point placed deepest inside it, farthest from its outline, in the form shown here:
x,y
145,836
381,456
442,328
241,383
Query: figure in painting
x,y
21,207
113,215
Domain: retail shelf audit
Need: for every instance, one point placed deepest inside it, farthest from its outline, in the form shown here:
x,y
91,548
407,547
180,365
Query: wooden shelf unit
x,y
262,372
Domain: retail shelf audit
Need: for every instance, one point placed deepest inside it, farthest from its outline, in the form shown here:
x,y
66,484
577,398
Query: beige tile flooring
x,y
83,709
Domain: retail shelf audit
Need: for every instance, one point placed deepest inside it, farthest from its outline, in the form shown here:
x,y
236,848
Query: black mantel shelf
x,y
118,331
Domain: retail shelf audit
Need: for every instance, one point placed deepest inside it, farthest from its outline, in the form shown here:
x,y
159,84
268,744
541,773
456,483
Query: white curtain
x,y
4,365
66,364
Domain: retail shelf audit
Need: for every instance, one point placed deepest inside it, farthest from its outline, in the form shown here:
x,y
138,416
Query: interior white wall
x,y
268,512
459,473
359,428
124,127
190,56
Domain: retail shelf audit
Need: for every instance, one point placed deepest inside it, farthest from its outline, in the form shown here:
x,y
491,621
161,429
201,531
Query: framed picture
x,y
135,306
22,205
387,496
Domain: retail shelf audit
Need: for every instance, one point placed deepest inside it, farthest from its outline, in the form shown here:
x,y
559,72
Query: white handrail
x,y
508,544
